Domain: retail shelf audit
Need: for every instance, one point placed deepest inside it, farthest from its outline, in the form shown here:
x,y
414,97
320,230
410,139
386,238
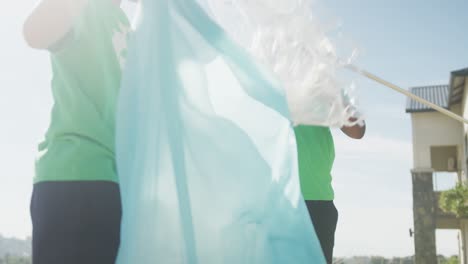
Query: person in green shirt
x,y
75,205
316,154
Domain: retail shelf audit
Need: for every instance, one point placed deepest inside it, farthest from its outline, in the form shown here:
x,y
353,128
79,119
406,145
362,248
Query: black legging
x,y
75,222
324,216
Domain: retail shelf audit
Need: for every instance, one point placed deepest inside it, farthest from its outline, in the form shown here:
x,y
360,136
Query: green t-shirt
x,y
79,144
316,153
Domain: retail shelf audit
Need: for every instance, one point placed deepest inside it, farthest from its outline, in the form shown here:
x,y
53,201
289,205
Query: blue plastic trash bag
x,y
206,153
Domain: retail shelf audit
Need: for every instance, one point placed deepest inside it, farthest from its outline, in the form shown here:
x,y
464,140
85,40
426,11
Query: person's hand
x,y
357,131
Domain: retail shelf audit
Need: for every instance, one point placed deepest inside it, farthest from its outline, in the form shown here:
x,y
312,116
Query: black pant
x,y
324,216
75,222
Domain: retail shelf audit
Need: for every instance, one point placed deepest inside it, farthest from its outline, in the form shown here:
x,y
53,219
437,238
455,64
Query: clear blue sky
x,y
407,42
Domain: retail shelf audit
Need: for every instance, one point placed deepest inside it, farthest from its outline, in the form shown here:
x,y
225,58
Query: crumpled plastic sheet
x,y
291,41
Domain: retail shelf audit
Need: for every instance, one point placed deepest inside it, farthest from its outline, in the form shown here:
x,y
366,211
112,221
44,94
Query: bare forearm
x,y
50,21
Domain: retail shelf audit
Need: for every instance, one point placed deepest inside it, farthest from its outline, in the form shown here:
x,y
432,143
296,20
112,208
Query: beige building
x,y
440,145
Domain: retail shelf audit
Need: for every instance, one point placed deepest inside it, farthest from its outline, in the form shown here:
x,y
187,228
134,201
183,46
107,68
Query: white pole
x,y
407,93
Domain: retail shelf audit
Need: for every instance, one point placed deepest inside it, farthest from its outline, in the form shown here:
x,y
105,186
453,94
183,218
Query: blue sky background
x,y
407,42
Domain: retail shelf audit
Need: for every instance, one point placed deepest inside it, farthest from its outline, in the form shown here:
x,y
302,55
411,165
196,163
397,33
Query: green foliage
x,y
8,259
378,260
395,260
451,260
14,247
455,201
15,251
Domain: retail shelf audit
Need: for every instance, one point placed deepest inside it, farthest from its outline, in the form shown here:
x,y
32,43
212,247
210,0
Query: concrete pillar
x,y
424,217
463,241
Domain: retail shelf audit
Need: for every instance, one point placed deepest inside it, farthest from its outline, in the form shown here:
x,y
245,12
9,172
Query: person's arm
x,y
51,21
357,131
